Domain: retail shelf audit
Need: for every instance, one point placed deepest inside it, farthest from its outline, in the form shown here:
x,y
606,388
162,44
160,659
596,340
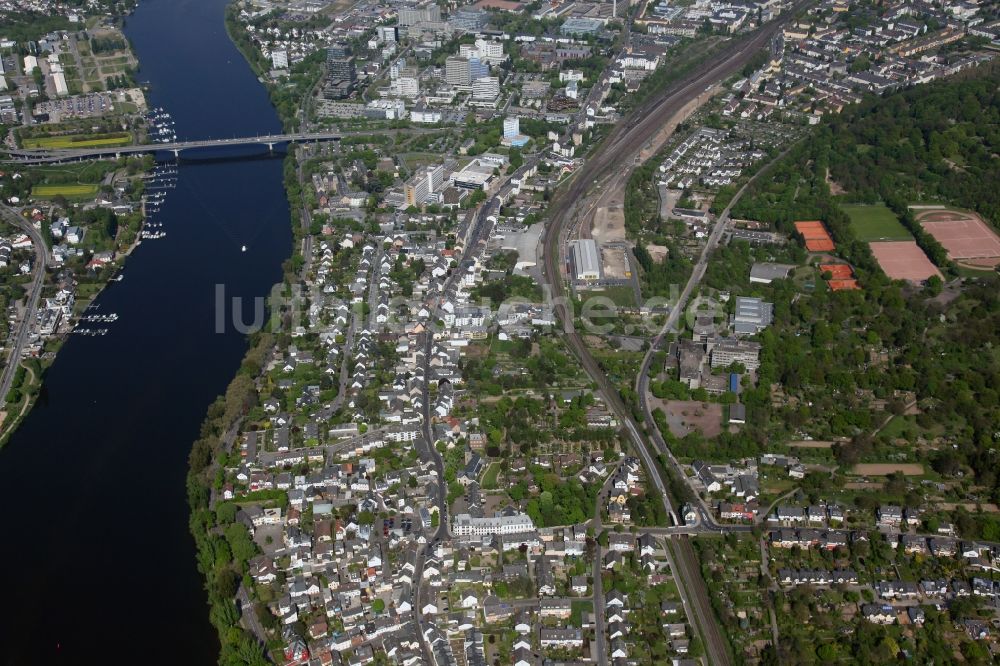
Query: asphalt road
x,y
425,446
34,293
426,450
600,630
612,158
705,514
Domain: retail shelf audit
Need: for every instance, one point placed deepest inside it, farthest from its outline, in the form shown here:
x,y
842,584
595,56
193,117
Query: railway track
x,y
614,159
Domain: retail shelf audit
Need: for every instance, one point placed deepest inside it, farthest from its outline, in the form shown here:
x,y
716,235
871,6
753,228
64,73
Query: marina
x,y
161,126
91,332
100,318
160,181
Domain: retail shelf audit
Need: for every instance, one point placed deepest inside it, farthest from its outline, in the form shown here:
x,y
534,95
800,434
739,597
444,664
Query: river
x,y
99,567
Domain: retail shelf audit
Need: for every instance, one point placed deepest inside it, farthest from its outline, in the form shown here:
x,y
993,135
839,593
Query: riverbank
x,y
287,93
224,546
85,246
222,543
213,523
86,218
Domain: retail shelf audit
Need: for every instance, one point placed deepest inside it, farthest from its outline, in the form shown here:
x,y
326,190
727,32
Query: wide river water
x,y
99,567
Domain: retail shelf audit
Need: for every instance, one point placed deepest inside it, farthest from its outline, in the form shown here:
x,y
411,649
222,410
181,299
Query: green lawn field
x,y
875,223
490,478
78,141
68,190
620,295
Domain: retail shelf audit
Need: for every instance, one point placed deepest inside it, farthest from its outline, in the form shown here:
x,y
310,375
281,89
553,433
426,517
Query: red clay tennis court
x,y
816,236
841,277
843,285
963,235
903,260
837,271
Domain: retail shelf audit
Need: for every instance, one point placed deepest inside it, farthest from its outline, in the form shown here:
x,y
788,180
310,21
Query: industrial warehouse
x,y
586,262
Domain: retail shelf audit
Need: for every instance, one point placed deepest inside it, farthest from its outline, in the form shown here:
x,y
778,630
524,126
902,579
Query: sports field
x,y
875,223
964,235
79,141
841,277
68,190
815,235
884,469
903,260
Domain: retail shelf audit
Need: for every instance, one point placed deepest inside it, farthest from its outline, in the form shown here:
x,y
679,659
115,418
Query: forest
x,y
224,549
834,353
643,222
932,143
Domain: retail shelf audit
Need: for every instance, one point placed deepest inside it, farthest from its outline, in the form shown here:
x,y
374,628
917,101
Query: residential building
x,y
413,15
466,525
726,351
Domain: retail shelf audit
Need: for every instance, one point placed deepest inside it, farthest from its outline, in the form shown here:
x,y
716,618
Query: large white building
x,y
414,15
486,88
422,185
511,126
586,260
387,34
456,71
466,525
279,59
394,109
726,351
477,175
59,81
486,50
425,116
406,86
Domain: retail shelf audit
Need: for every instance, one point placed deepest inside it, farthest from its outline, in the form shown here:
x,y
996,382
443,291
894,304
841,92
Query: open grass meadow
x,y
76,172
620,295
490,478
68,190
875,223
79,141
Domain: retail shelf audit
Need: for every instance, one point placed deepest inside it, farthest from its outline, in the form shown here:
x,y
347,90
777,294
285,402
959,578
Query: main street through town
x,y
22,328
476,234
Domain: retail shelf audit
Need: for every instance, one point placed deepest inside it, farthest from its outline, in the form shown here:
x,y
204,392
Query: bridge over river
x,y
44,156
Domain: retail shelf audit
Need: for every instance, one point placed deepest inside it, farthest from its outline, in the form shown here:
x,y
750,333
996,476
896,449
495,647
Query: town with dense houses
x,y
400,502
